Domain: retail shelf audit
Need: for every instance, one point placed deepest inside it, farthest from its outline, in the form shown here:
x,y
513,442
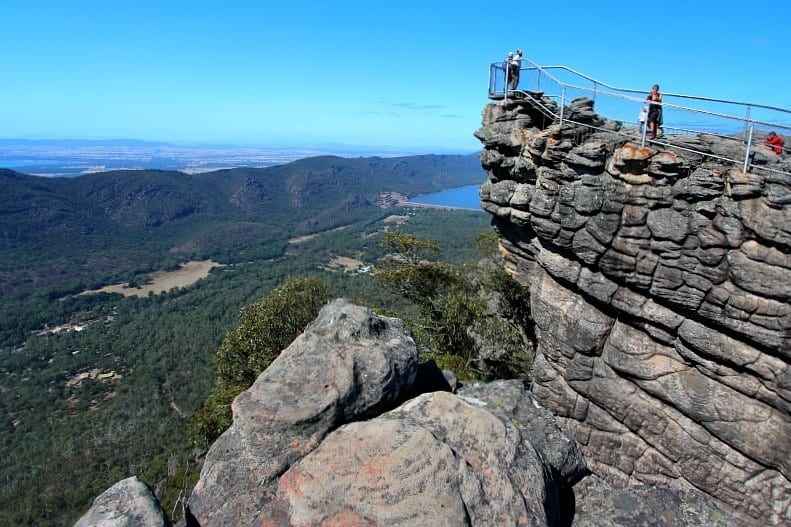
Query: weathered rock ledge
x,y
661,292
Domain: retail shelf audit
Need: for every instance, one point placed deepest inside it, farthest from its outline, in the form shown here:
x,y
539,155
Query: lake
x,y
459,198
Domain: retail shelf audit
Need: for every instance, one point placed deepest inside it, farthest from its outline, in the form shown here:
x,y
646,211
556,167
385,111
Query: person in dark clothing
x,y
654,111
507,69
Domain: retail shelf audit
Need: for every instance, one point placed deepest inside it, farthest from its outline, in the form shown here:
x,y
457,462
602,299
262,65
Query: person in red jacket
x,y
775,142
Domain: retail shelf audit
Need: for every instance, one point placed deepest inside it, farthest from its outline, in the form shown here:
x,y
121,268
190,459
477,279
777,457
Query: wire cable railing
x,y
682,115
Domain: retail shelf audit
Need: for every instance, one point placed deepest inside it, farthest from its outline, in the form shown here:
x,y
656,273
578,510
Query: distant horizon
x,y
75,157
327,146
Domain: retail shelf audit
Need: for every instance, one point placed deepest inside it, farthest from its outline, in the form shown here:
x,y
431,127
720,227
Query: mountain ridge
x,y
143,217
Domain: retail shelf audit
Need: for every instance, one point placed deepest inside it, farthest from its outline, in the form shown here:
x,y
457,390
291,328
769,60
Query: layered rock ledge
x,y
660,288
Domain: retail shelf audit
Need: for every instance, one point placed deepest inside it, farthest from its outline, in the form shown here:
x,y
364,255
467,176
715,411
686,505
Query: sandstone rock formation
x,y
348,365
661,293
321,439
301,452
128,503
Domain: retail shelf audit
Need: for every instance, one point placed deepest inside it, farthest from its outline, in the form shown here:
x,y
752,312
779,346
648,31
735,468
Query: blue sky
x,y
404,74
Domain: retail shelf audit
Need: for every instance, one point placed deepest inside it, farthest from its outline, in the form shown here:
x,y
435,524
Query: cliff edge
x,y
660,285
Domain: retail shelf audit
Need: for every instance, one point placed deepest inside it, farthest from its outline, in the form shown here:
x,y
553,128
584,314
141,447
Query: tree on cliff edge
x,y
473,319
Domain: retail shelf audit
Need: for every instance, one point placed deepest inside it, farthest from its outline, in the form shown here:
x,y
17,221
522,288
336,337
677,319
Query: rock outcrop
x,y
661,293
338,432
347,365
318,440
128,503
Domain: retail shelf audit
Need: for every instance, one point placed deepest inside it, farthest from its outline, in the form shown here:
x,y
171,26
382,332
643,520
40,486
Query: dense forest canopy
x,y
113,393
66,235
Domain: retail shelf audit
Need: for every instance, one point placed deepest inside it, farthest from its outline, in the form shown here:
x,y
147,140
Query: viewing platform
x,y
743,126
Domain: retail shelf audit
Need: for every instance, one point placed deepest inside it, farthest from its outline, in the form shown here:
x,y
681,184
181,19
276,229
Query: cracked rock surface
x,y
661,292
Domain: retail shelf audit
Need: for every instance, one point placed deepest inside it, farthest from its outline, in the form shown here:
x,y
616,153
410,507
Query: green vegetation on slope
x,y
473,318
60,236
267,328
95,406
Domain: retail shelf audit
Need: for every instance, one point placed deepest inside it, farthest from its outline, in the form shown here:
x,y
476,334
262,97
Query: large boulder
x,y
318,440
487,456
348,365
128,503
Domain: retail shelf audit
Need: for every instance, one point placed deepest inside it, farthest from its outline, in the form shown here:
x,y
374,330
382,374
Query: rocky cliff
x,y
660,288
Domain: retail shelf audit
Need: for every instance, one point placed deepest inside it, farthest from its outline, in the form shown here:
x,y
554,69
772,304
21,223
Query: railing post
x,y
644,131
594,91
747,153
538,81
562,104
747,121
507,67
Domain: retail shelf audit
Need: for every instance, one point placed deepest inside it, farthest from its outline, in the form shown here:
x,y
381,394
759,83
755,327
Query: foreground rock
x,y
128,503
320,440
307,448
597,504
439,459
348,365
661,293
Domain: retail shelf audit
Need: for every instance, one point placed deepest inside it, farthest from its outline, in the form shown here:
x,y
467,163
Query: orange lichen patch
x,y
633,152
666,158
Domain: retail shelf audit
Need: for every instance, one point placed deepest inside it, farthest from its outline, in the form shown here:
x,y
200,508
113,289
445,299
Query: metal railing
x,y
707,116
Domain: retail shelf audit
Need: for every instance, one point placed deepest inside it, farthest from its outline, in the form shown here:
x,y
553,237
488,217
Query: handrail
x,y
712,120
679,95
544,70
679,107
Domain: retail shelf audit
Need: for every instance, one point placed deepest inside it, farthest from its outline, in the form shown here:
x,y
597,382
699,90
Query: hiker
x,y
775,142
654,110
516,68
507,68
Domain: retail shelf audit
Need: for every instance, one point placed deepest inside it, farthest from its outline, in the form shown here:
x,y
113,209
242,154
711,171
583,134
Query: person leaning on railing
x,y
512,65
775,142
654,111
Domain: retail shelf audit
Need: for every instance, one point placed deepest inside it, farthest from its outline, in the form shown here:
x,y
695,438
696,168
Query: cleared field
x,y
162,281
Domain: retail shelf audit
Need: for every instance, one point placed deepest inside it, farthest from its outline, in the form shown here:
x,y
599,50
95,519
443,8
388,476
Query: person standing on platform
x,y
654,111
516,68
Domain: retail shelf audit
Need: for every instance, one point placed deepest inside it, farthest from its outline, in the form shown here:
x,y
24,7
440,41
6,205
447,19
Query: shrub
x,y
266,328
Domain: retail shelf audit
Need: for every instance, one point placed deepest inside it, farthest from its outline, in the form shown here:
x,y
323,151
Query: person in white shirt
x,y
515,67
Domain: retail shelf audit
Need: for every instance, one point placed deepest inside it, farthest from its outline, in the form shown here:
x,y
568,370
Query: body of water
x,y
459,198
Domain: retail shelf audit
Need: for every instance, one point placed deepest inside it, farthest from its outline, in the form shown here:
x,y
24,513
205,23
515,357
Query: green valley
x,y
98,387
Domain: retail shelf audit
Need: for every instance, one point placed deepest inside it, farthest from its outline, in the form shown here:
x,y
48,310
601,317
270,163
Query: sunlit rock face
x,y
330,435
661,293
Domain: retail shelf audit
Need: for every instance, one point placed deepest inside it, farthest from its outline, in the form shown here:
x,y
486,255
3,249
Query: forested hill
x,y
55,227
149,198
